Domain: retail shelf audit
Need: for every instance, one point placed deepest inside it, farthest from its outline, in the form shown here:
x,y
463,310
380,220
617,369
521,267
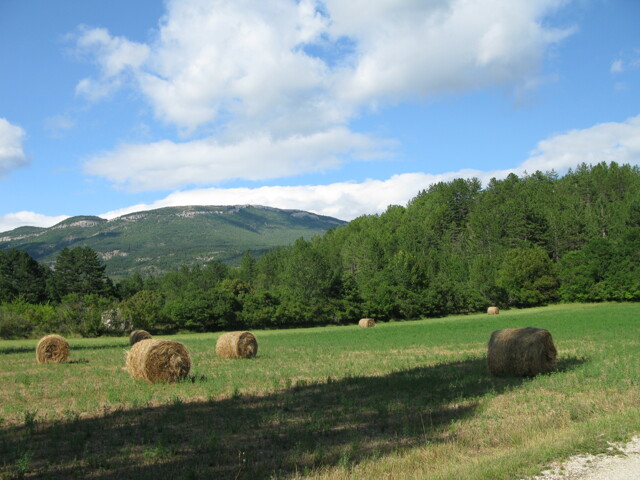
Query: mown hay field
x,y
405,400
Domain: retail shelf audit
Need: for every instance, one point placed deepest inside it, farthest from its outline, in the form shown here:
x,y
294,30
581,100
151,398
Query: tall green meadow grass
x,y
403,400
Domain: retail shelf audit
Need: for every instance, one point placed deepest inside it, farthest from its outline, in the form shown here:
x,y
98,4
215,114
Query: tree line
x,y
454,248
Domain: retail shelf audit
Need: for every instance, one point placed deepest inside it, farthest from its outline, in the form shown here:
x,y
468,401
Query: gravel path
x,y
625,466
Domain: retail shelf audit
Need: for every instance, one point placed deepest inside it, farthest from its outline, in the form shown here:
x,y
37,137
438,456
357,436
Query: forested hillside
x,y
455,248
156,241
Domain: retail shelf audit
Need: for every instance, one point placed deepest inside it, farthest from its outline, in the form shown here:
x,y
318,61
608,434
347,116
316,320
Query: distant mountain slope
x,y
159,240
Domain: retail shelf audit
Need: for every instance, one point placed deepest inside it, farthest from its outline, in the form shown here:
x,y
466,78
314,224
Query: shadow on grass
x,y
12,350
569,363
72,347
100,347
336,422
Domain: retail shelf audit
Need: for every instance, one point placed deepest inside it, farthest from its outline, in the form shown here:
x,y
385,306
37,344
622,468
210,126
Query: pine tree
x,y
79,270
21,277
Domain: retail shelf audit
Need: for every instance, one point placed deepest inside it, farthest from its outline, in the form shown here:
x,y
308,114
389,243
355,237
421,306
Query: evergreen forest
x,y
457,247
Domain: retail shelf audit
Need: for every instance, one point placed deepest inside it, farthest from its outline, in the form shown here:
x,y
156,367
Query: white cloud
x,y
617,66
167,165
12,155
262,73
615,141
627,62
427,48
115,57
344,200
31,219
245,61
239,59
606,142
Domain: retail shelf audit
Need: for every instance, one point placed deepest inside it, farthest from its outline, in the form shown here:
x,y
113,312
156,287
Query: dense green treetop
x,y
79,270
454,248
21,277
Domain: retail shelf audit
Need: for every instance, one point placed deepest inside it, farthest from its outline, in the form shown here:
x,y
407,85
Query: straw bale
x,y
52,349
493,310
524,352
367,323
157,360
237,345
137,335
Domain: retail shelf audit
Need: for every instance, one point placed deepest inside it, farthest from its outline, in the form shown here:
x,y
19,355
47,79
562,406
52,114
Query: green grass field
x,y
404,400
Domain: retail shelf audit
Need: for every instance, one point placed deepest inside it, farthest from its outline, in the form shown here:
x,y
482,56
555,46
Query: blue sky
x,y
341,108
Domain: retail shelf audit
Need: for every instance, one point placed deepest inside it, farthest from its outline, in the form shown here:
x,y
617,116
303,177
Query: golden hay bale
x,y
522,352
52,349
157,360
367,323
237,345
493,310
137,335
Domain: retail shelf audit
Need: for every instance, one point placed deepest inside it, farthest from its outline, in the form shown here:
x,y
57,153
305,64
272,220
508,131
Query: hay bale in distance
x,y
367,323
137,335
493,310
52,349
157,360
523,352
237,345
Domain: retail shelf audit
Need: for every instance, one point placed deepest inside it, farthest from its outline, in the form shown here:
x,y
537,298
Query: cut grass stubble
x,y
402,400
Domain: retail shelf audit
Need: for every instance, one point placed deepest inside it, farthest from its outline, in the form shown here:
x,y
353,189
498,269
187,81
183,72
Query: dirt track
x,y
624,465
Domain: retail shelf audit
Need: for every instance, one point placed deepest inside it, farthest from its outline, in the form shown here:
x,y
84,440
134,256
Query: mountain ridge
x,y
159,240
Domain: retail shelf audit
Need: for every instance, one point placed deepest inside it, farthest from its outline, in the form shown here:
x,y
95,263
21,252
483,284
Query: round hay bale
x,y
367,323
493,310
237,345
157,360
523,352
52,349
137,335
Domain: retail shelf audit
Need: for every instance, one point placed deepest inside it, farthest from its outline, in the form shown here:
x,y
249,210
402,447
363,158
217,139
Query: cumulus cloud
x,y
344,200
167,165
115,57
239,62
607,142
32,219
251,61
615,141
427,48
251,70
12,155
